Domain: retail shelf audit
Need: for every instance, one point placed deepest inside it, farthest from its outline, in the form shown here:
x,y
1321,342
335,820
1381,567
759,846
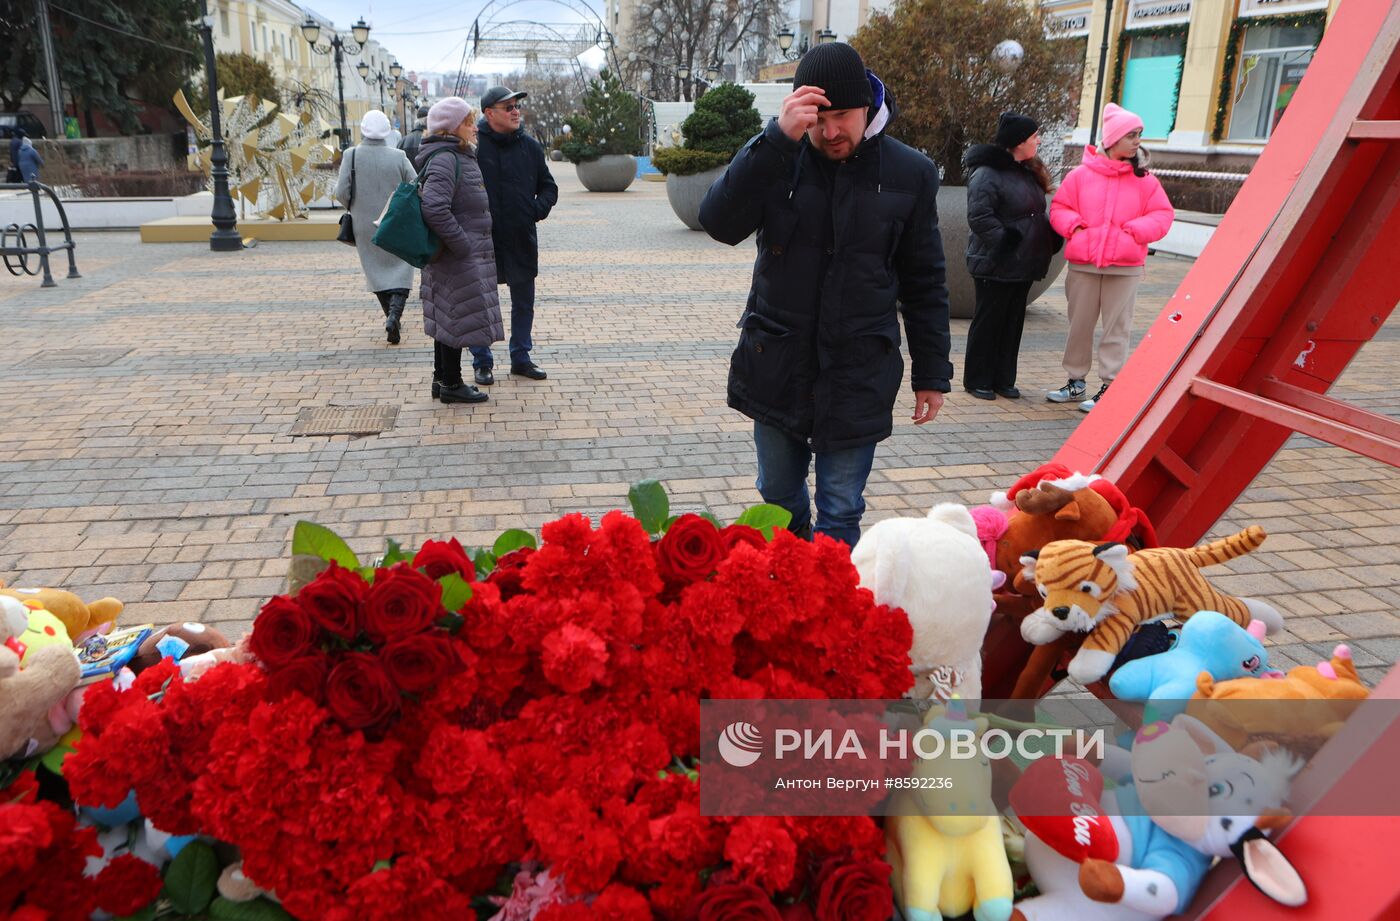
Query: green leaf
x,y
315,540
513,539
766,518
710,517
484,561
191,877
455,592
650,505
259,909
394,553
146,914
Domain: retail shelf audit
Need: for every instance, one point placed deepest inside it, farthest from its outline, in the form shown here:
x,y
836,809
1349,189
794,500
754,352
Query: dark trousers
x,y
447,365
522,320
994,339
387,295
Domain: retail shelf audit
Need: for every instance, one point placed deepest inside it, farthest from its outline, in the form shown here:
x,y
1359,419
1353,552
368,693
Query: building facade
x,y
270,30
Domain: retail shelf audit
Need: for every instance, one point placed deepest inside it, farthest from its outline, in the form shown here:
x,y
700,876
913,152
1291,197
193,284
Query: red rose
x,y
282,633
737,534
855,892
333,600
690,550
305,676
509,574
127,885
438,558
733,902
359,694
416,663
401,602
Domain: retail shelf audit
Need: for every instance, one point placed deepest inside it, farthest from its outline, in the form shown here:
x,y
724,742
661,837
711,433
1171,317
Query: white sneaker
x,y
1072,390
1089,403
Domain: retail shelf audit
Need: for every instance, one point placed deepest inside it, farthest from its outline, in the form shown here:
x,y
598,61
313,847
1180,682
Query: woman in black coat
x,y
1008,250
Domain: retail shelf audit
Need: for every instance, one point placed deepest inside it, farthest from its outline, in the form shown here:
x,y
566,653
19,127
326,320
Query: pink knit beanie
x,y
447,114
1118,121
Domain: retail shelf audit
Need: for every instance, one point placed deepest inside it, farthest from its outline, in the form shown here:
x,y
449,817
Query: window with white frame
x,y
223,21
1272,60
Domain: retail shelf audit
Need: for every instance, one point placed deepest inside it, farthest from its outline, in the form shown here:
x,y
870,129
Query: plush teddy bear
x,y
1106,592
77,617
935,569
1299,711
1209,642
29,693
177,641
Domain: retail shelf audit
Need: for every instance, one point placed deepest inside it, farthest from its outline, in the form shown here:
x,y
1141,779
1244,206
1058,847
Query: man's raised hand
x,y
799,113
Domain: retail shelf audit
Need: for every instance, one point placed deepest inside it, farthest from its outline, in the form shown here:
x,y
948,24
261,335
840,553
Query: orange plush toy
x,y
80,618
1051,503
1300,711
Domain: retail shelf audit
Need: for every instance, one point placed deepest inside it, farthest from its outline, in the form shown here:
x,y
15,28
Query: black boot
x,y
395,313
461,393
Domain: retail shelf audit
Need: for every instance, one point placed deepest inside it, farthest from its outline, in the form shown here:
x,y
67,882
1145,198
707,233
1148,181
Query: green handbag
x,y
402,230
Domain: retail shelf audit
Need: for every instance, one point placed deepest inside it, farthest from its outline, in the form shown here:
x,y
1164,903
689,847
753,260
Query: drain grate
x,y
345,420
76,358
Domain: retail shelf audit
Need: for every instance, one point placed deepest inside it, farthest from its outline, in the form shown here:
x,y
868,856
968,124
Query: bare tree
x,y
555,94
694,34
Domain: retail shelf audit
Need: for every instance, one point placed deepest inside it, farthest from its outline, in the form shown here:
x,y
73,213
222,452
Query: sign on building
x,y
1143,14
1268,7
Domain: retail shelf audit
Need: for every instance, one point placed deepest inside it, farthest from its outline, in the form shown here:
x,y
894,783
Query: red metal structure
x,y
1303,270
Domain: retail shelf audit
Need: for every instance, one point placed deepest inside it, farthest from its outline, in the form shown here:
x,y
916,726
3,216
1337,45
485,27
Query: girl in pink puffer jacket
x,y
1108,209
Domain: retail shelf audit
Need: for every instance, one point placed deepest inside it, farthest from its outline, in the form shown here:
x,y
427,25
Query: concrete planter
x,y
952,223
609,173
686,192
556,155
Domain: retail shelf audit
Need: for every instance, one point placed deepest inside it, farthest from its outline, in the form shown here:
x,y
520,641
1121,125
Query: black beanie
x,y
836,68
1014,129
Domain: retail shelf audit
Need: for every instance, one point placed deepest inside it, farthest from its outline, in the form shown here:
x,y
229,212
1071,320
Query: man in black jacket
x,y
522,192
847,225
414,139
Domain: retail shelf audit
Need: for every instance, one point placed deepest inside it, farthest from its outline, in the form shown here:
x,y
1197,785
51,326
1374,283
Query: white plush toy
x,y
937,571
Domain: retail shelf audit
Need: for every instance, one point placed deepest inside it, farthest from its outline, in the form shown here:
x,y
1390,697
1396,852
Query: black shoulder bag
x,y
347,224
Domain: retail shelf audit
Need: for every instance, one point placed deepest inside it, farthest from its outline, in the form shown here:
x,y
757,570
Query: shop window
x,y
1152,81
223,21
1272,62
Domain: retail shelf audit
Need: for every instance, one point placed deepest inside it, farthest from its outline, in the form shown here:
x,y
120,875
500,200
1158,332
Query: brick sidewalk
x,y
150,404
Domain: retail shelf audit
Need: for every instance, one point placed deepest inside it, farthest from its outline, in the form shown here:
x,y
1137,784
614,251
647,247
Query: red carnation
x,y
690,550
737,534
127,885
402,602
282,633
854,892
733,902
359,694
333,600
509,574
574,657
305,676
437,558
416,663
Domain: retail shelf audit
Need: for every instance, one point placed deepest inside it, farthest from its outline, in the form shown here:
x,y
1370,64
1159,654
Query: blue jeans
x,y
783,462
522,319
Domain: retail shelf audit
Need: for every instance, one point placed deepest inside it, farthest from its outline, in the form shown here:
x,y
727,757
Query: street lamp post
x,y
311,31
225,236
785,41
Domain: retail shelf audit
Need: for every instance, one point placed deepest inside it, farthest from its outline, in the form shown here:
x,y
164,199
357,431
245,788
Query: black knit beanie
x,y
836,68
1014,129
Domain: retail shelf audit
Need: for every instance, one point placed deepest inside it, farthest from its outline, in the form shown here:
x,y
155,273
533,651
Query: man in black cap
x,y
847,225
414,139
522,192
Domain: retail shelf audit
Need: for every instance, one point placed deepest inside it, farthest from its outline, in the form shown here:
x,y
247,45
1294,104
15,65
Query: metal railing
x,y
16,254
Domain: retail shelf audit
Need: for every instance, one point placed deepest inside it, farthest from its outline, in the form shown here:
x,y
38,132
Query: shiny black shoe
x,y
437,389
484,377
533,371
981,394
1011,393
461,393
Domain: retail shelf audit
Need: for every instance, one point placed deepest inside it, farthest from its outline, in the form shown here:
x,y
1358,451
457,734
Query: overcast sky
x,y
429,35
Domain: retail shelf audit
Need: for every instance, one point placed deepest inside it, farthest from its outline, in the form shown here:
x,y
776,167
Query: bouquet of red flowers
x,y
514,731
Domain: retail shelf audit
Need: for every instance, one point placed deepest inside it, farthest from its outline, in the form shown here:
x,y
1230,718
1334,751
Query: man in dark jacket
x,y
522,192
847,225
414,139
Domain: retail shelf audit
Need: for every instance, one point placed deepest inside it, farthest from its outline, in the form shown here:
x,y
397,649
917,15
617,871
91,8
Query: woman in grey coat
x,y
378,168
460,305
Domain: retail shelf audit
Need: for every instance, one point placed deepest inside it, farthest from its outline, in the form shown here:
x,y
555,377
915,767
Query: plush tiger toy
x,y
1106,591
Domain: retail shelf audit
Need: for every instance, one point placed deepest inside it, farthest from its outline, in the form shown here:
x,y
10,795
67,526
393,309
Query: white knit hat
x,y
375,125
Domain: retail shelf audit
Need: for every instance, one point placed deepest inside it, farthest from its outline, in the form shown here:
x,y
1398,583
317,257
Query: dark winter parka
x,y
838,245
460,305
522,193
1008,214
413,141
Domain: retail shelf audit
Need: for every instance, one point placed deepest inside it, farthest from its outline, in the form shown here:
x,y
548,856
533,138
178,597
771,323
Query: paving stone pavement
x,y
149,405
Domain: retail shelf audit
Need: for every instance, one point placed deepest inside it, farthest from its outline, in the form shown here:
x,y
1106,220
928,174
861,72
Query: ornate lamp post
x,y
785,41
225,236
311,31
